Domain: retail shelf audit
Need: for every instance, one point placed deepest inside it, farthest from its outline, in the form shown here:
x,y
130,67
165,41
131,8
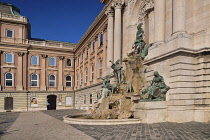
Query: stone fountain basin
x,y
80,119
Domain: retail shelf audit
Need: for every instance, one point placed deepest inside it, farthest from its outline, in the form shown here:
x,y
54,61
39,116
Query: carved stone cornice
x,y
146,7
110,12
44,55
20,53
118,4
61,57
96,37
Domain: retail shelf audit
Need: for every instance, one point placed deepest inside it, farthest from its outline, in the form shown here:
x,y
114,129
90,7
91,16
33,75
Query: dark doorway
x,y
8,103
51,102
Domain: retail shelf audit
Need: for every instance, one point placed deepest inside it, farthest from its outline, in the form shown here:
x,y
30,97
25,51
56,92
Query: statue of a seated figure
x,y
157,90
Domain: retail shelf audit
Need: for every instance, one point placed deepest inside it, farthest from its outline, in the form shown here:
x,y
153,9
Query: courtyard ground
x,y
49,125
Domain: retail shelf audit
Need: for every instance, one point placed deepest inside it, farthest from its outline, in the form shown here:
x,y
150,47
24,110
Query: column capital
x,y
110,12
61,57
44,56
117,4
20,53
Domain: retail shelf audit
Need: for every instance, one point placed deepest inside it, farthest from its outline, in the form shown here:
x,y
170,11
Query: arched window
x,y
100,67
51,81
101,39
92,72
52,61
34,60
68,62
34,80
9,58
9,79
86,75
68,81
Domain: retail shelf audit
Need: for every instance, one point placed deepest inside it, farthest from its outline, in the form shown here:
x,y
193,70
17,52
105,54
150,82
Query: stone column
x,y
60,75
110,35
160,21
179,16
118,29
20,72
43,73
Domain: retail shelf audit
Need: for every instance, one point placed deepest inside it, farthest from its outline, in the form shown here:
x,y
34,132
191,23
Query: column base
x,y
19,88
60,88
43,88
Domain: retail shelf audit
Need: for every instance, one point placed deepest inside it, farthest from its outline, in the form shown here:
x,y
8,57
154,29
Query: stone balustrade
x,y
13,17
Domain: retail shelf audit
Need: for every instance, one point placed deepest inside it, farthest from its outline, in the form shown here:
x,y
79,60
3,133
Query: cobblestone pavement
x,y
40,128
6,120
157,131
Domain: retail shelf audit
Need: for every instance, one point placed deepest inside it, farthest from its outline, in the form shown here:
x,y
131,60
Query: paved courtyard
x,y
43,125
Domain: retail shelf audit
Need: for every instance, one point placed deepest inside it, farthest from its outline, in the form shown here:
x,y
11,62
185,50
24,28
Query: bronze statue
x,y
157,90
117,70
139,45
139,42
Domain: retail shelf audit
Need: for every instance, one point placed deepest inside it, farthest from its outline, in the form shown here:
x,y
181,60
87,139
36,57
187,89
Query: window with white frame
x,y
68,62
51,80
101,39
93,46
9,79
68,81
34,60
86,75
9,58
10,33
81,78
100,67
52,61
92,72
34,80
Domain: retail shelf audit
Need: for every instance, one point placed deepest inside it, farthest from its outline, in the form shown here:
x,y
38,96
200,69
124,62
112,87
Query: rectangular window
x,y
9,33
101,39
93,46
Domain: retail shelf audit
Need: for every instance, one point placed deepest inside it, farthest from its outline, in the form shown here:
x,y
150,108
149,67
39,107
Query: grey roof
x,y
9,9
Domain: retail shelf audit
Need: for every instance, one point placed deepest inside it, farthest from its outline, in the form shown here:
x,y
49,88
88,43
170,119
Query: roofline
x,y
92,26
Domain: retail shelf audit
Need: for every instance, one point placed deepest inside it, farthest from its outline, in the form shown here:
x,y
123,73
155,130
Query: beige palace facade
x,y
178,29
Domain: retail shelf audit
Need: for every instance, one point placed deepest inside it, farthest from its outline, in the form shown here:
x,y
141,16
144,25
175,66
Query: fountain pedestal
x,y
151,112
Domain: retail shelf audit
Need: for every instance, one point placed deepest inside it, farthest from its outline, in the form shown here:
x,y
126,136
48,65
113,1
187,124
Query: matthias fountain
x,y
118,99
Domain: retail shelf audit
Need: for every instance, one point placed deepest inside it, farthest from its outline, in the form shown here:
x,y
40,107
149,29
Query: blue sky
x,y
60,20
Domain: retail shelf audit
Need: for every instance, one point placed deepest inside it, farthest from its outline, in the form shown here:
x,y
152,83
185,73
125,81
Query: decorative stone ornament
x,y
146,7
110,12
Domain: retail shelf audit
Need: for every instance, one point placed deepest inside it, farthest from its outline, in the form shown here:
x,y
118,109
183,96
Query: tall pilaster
x,y
179,15
110,32
20,72
118,29
43,73
60,75
160,21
